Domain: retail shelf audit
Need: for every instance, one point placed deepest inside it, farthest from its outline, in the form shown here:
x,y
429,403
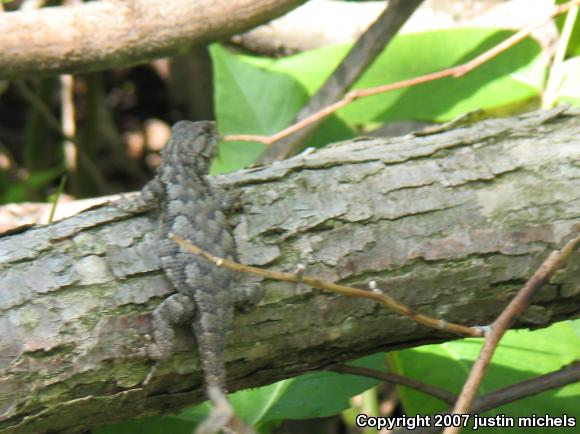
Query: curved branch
x,y
392,378
108,33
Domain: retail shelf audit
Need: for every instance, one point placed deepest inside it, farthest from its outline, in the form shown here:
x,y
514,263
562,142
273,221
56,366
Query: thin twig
x,y
502,323
56,197
560,378
363,53
556,71
379,297
389,377
456,72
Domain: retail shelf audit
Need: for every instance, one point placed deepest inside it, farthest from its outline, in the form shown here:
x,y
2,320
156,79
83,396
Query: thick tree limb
x,y
110,33
452,224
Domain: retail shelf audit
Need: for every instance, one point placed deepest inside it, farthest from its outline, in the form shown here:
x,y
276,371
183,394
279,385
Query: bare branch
x,y
348,291
110,33
389,377
503,322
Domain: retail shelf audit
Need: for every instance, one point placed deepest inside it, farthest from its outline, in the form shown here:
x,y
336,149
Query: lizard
x,y
190,207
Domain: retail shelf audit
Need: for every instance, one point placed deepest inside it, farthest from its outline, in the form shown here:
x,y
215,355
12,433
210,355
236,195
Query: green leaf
x,y
575,325
262,96
310,68
510,80
328,393
522,355
252,99
249,100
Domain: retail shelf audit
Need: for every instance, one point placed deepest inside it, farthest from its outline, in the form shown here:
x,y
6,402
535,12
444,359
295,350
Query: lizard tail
x,y
210,335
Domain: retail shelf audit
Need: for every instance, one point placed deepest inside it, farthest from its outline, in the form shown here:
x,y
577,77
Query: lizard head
x,y
192,144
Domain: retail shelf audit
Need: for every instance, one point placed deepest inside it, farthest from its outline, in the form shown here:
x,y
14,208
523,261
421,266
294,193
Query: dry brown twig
x,y
374,295
560,378
456,72
503,322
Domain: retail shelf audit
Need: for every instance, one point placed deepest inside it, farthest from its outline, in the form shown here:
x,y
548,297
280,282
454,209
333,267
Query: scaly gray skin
x,y
190,208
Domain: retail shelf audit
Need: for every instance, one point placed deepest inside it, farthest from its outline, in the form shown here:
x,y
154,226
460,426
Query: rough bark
x,y
111,33
451,224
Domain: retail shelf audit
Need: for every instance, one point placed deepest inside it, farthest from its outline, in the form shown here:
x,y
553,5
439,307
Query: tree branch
x,y
451,224
389,377
85,38
502,324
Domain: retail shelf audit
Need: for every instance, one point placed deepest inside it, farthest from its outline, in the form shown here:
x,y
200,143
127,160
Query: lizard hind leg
x,y
174,310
